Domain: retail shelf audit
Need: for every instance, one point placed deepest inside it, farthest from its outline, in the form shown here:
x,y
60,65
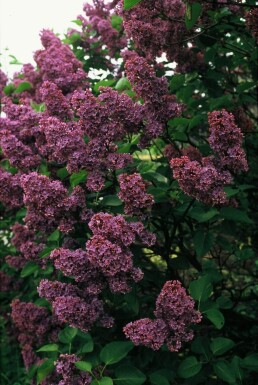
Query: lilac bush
x,y
128,199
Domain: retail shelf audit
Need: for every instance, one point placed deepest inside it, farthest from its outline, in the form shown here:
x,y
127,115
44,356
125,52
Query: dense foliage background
x,y
128,173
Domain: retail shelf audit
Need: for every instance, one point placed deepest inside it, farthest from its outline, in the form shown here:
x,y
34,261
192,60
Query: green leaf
x,y
115,351
106,381
193,12
44,370
158,379
129,375
29,269
78,177
130,3
54,236
235,215
224,302
201,345
177,81
123,84
77,22
203,216
87,348
189,367
203,242
48,348
216,317
221,345
83,365
9,89
62,173
116,22
24,86
201,289
67,335
111,200
104,83
224,371
245,86
251,362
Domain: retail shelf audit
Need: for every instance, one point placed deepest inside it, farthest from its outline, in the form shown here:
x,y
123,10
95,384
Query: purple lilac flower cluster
x,y
133,194
49,205
70,374
74,306
35,325
3,82
226,140
108,249
10,189
174,314
252,22
158,106
153,25
58,64
204,178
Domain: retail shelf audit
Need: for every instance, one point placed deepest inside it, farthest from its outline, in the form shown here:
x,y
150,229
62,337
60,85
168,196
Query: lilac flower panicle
x,y
19,154
252,22
147,332
56,103
52,289
3,82
70,374
226,139
133,194
205,180
58,64
77,312
10,189
174,314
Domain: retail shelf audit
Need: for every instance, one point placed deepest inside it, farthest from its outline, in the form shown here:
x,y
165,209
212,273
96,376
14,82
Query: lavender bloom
x,y
21,234
159,106
226,139
205,180
108,249
70,374
174,314
133,193
252,22
62,143
19,154
176,308
48,203
56,103
52,289
113,114
151,33
33,322
3,82
58,64
147,332
77,312
108,257
10,190
115,228
21,120
76,264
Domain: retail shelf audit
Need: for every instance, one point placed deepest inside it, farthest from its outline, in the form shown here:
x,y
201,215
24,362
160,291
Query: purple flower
x,y
133,193
10,190
174,314
204,181
226,139
147,332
